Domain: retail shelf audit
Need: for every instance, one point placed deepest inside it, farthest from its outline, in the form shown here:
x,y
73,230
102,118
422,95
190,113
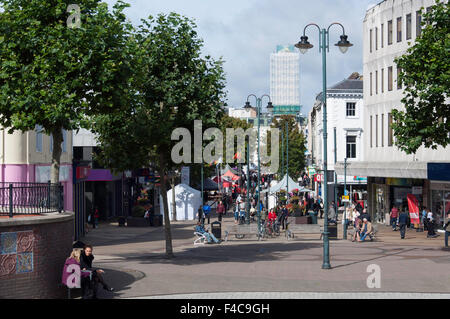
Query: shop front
x,y
439,177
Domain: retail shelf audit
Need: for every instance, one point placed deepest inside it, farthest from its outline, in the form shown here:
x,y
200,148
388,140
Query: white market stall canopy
x,y
187,200
281,185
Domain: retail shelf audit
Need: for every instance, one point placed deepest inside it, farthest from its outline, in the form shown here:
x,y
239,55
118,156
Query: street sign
x,y
318,178
346,198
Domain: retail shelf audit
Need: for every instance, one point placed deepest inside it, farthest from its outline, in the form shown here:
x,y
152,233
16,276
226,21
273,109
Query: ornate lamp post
x,y
343,46
258,106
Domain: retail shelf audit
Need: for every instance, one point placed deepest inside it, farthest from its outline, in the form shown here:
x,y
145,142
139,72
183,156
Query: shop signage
x,y
413,206
417,190
346,199
438,171
312,171
398,181
318,178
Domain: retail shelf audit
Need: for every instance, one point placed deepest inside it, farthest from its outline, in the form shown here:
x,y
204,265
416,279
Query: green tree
x,y
297,146
57,76
175,86
425,73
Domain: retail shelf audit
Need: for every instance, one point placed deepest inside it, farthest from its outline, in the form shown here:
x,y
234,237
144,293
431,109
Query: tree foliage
x,y
425,73
174,86
297,146
55,76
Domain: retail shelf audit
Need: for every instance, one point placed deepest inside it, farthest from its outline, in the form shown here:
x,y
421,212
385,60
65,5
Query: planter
x,y
156,220
303,220
297,213
137,222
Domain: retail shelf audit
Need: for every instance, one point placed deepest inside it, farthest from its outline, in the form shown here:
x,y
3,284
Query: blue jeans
x,y
236,215
394,222
363,236
210,237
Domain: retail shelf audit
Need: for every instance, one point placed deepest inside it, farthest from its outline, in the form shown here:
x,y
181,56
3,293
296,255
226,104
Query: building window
x,y
376,82
389,32
390,137
370,83
39,137
382,80
399,29
382,130
351,146
371,144
418,23
376,38
64,143
351,109
390,78
376,130
408,26
399,82
382,35
370,39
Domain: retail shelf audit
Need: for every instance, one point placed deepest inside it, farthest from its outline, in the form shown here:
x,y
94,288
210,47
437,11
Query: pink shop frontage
x,y
40,173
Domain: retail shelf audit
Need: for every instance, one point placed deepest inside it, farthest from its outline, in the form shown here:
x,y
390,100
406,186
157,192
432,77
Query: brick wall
x,y
39,254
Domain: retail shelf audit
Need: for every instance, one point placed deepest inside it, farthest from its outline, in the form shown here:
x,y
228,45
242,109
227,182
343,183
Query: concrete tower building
x,y
285,80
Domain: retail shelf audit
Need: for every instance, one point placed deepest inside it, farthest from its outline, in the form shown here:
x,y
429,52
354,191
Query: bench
x,y
240,231
292,229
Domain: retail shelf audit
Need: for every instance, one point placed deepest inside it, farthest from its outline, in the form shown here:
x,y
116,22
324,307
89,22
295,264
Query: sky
x,y
245,32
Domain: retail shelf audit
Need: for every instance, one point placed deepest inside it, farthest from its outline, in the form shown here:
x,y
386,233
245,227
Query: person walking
x,y
284,215
402,222
430,225
220,210
96,217
447,230
332,213
393,217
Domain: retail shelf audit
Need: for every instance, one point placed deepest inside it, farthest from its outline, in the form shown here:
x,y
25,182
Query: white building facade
x,y
389,29
345,113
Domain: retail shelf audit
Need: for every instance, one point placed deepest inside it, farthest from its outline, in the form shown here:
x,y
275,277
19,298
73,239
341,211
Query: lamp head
x,y
247,105
269,105
343,44
304,45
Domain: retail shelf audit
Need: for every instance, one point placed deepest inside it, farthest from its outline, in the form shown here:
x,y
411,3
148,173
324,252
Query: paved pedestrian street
x,y
135,265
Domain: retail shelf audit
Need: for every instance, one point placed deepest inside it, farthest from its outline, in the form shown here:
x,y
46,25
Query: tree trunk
x,y
56,155
174,204
167,231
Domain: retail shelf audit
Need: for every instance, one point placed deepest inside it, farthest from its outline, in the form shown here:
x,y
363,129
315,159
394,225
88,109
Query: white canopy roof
x,y
187,200
281,185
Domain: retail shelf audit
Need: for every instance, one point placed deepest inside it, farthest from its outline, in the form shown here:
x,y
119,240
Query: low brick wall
x,y
32,255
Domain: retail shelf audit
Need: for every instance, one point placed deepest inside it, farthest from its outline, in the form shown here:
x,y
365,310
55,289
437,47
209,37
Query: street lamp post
x,y
258,106
287,163
343,46
345,193
248,183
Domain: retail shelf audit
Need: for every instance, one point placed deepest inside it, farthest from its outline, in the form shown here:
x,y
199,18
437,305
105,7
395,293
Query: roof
x,y
348,84
345,86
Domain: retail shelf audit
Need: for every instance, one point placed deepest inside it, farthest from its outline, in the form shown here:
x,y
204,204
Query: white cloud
x,y
244,33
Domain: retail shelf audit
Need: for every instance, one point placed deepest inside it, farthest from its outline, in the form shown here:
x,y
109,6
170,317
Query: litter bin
x,y
216,229
156,220
313,217
332,229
